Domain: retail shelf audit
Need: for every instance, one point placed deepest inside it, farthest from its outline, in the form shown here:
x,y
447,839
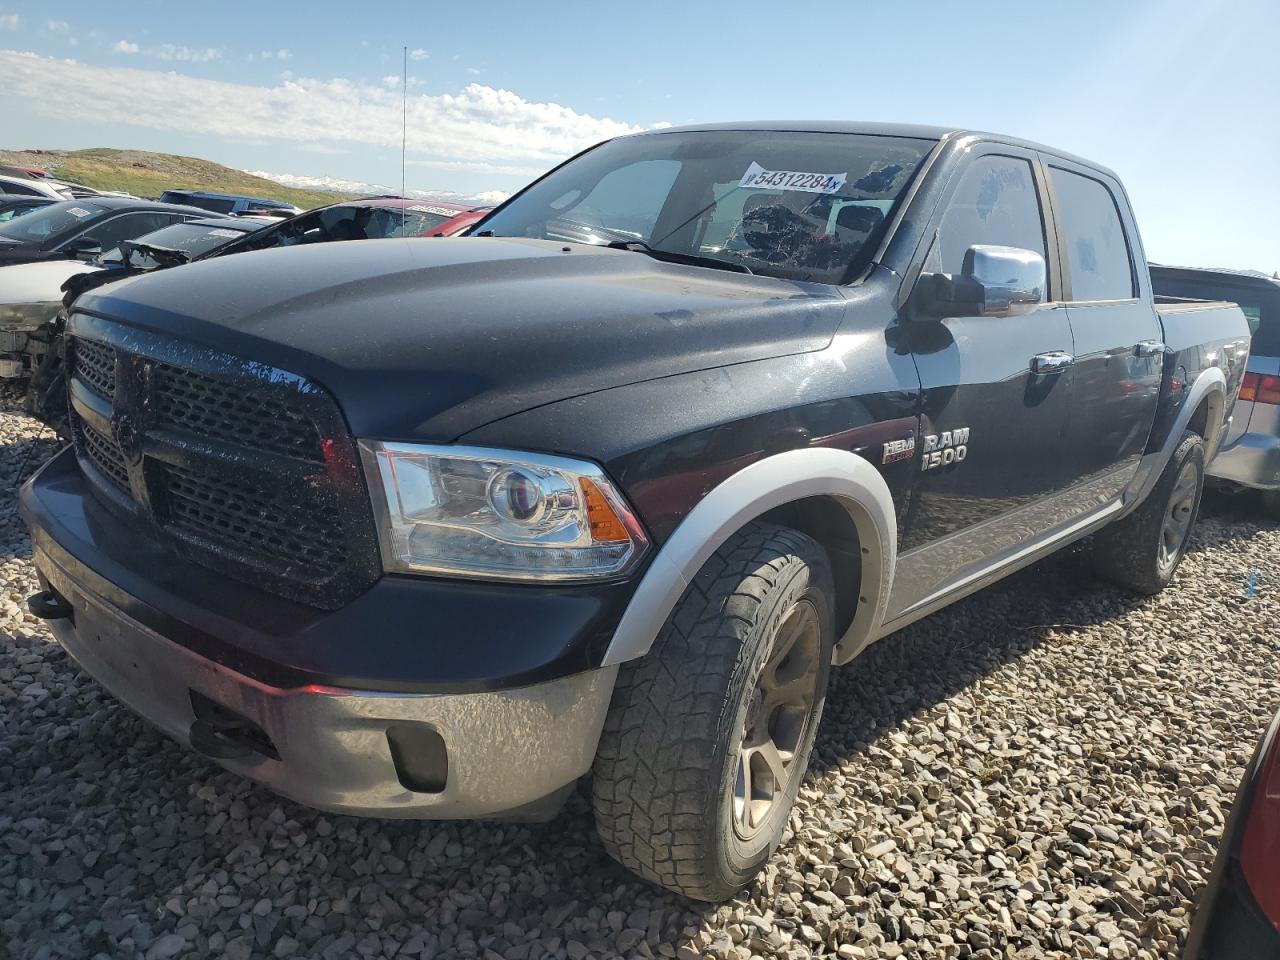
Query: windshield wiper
x,y
693,259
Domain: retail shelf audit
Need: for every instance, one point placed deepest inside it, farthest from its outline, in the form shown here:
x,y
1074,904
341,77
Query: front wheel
x,y
709,734
1142,551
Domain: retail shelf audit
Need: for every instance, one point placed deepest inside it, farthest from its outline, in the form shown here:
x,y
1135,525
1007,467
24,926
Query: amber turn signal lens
x,y
606,526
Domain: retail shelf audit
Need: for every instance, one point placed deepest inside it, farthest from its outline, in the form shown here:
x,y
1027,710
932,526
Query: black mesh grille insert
x,y
95,365
226,411
267,526
247,470
105,454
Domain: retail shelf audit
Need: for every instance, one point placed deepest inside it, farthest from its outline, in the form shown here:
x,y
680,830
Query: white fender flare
x,y
752,491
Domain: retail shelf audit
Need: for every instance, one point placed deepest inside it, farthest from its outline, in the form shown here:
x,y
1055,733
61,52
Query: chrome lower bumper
x,y
505,749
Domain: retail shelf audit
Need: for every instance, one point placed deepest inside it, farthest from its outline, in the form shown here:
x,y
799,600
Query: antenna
x,y
404,132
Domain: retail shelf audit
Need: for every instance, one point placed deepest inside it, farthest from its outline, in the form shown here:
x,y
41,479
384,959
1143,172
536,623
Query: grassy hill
x,y
147,174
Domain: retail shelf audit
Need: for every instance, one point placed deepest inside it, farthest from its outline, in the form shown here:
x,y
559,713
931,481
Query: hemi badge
x,y
895,450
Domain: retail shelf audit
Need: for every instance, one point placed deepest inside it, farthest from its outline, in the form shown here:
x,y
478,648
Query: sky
x,y
1180,98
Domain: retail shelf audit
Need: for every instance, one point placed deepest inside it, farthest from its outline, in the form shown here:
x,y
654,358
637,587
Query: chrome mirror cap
x,y
1012,279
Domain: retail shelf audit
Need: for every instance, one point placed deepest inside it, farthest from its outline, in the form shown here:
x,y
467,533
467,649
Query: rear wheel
x,y
709,734
1143,550
1271,504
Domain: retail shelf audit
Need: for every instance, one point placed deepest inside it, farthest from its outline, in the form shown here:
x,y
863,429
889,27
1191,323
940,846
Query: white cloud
x,y
391,81
473,71
281,54
58,26
168,51
9,21
418,54
125,46
478,127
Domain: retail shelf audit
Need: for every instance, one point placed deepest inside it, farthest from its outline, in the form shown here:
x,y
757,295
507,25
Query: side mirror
x,y
83,248
997,281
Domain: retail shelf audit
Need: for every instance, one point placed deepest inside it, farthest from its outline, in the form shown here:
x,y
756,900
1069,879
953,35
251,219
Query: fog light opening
x,y
420,757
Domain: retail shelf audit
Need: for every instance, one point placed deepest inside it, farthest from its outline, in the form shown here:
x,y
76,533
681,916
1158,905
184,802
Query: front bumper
x,y
505,749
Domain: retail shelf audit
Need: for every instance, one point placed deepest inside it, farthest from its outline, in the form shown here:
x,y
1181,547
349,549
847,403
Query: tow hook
x,y
49,605
213,742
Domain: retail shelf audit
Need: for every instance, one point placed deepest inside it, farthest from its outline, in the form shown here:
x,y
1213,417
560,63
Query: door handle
x,y
1148,348
1052,362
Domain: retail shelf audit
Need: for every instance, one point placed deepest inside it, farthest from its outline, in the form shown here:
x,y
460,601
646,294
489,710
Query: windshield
x,y
800,206
189,238
50,221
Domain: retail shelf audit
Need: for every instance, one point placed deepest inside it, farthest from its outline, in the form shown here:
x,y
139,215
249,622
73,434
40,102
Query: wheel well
x,y
1199,422
827,520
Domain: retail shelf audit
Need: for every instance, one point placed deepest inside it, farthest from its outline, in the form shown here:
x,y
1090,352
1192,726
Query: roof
x,y
870,128
133,203
211,195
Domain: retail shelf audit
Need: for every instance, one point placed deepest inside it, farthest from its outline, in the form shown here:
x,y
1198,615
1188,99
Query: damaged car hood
x,y
428,339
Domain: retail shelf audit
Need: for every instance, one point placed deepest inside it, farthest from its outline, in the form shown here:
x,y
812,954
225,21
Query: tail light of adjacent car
x,y
1259,853
1260,388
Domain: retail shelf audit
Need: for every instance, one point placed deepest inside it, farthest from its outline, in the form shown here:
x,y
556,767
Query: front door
x,y
1118,351
991,468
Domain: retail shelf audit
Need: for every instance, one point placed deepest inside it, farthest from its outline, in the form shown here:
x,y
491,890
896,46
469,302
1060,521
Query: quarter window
x,y
1097,253
995,203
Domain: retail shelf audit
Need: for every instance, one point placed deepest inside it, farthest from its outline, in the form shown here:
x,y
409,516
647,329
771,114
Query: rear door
x,y
1117,332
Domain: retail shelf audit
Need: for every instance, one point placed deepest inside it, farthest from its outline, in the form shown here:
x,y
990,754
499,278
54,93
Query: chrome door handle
x,y
1051,362
1148,348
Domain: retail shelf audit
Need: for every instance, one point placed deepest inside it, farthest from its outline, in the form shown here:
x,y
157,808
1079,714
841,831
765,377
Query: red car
x,y
1238,917
463,221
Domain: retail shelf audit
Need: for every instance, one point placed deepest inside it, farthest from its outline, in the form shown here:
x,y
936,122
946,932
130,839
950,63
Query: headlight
x,y
498,514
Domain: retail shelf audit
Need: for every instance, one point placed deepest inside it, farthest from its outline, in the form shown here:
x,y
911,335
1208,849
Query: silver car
x,y
1250,455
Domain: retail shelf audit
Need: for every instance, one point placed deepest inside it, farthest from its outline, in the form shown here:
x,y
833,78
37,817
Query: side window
x,y
1097,252
995,203
127,227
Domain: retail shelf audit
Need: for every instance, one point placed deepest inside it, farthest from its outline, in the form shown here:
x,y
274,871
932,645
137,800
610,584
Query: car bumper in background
x,y
366,753
1251,460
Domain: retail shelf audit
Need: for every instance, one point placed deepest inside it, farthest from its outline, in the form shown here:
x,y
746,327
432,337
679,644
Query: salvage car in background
x,y
11,206
1250,455
67,230
228,203
84,228
462,222
34,294
372,218
1238,917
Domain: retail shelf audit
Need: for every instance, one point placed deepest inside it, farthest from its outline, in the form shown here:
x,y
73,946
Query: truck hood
x,y
430,338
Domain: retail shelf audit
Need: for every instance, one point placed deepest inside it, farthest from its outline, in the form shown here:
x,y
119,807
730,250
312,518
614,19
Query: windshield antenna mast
x,y
404,132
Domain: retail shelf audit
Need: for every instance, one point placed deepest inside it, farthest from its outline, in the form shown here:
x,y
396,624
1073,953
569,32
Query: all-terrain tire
x,y
1129,552
665,772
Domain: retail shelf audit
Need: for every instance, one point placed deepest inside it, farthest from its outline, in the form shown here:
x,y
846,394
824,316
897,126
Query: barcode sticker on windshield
x,y
229,234
760,178
78,212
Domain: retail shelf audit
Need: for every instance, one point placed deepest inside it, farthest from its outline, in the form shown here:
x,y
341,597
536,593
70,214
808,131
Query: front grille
x,y
105,455
265,526
96,367
241,468
188,400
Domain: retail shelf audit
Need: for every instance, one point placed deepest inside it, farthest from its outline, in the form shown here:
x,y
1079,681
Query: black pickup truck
x,y
434,530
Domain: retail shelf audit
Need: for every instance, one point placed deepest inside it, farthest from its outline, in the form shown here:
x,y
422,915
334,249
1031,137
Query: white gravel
x,y
1043,770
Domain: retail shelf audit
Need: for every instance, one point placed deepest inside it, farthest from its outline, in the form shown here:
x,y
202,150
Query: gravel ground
x,y
1042,770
